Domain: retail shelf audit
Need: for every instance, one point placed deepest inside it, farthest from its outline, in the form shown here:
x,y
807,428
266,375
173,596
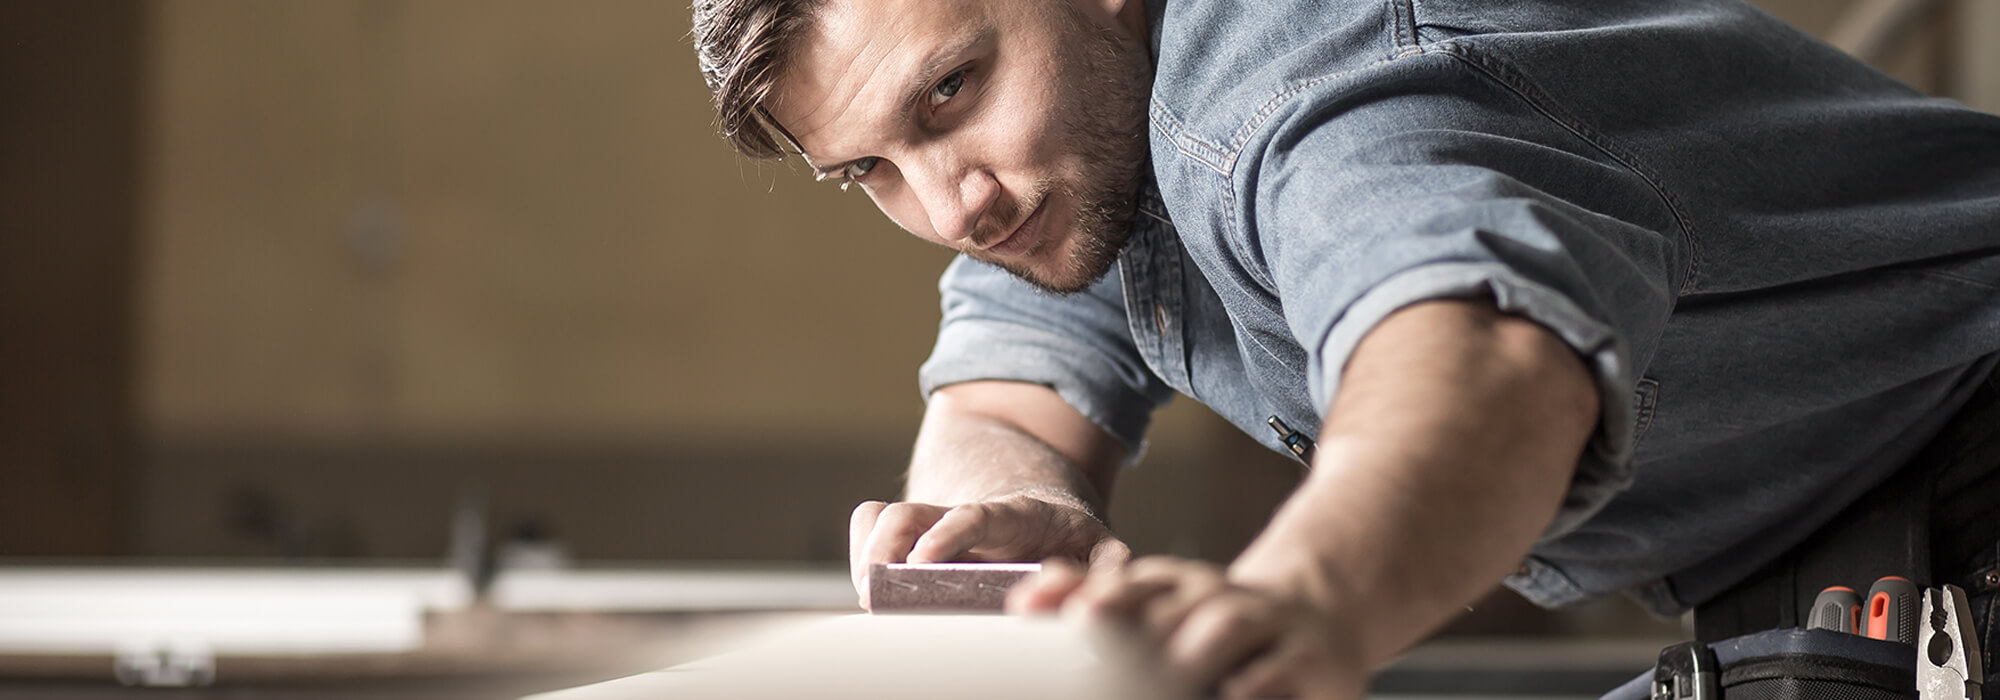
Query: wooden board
x,y
919,656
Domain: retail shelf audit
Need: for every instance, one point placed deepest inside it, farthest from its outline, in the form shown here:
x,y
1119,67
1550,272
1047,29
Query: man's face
x,y
1011,131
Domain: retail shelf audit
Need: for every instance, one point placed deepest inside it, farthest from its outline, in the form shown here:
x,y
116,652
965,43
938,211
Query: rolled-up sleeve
x,y
1362,209
996,327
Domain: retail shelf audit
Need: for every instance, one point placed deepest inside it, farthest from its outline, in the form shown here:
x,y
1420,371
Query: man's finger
x,y
1121,600
859,525
896,531
1195,583
1129,594
1044,591
961,530
1217,636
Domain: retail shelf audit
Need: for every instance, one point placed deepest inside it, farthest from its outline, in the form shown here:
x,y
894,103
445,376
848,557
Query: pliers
x,y
1949,666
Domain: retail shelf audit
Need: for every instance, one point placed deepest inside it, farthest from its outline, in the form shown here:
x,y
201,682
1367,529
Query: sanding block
x,y
943,588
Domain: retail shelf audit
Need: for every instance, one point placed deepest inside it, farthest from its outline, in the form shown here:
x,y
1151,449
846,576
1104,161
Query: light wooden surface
x,y
902,656
975,656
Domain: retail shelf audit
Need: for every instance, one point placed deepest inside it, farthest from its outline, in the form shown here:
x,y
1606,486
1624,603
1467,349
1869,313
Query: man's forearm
x,y
969,458
1446,454
994,439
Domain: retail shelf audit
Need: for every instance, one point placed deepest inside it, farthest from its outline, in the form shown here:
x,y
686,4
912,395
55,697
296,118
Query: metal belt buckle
x,y
1687,671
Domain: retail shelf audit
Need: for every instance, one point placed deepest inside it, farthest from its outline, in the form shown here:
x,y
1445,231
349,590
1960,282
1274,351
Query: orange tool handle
x,y
1892,610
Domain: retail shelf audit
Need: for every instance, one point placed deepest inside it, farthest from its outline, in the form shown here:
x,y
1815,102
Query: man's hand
x,y
1445,454
1021,527
1211,635
1003,471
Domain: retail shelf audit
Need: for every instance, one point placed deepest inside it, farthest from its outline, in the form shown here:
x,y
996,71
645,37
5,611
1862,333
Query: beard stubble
x,y
1103,115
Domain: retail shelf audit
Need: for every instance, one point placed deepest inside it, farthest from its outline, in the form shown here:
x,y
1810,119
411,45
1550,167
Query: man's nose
x,y
956,195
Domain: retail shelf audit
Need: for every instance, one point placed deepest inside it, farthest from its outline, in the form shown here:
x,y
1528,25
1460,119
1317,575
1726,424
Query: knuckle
x,y
901,514
976,511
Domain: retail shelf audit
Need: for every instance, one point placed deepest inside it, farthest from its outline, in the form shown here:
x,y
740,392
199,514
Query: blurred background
x,y
471,285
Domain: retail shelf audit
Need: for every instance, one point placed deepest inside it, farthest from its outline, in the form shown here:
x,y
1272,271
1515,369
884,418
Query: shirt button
x,y
1160,318
1523,571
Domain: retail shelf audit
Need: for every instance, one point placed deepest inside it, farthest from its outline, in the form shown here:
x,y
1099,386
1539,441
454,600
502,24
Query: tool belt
x,y
1782,664
1751,641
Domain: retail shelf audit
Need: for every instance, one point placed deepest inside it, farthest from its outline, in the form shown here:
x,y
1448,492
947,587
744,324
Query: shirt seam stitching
x,y
1185,142
1404,15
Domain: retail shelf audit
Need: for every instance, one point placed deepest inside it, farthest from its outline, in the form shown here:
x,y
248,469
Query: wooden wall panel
x,y
467,220
69,92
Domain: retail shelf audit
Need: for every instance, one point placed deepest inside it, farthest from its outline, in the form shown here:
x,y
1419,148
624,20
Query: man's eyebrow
x,y
943,56
926,74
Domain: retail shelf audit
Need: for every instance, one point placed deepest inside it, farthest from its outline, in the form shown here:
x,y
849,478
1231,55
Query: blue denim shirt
x,y
1782,267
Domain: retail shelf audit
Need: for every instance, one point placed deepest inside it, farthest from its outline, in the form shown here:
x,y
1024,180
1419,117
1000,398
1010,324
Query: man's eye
x,y
947,88
860,167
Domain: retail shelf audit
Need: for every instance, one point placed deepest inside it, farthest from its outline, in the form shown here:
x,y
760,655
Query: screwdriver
x,y
1892,610
1837,608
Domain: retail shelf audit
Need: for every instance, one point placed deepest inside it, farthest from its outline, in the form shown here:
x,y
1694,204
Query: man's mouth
x,y
1023,237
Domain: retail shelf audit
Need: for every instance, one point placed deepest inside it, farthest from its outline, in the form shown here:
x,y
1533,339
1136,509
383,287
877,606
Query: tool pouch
x,y
1780,664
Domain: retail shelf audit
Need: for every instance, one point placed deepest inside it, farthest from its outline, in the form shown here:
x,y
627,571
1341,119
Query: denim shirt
x,y
1781,267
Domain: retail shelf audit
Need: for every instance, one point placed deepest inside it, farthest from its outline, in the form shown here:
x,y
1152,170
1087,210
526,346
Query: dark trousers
x,y
1965,513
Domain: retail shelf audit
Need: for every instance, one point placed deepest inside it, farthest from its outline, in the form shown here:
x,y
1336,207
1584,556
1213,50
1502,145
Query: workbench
x,y
611,633
893,657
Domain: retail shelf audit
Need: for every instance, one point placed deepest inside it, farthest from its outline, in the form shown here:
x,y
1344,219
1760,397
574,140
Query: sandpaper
x,y
943,588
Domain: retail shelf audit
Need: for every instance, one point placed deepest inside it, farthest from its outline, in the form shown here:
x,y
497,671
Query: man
x,y
1582,296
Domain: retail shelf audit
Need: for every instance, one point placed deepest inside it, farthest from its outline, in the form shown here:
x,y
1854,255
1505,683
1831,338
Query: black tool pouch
x,y
1786,664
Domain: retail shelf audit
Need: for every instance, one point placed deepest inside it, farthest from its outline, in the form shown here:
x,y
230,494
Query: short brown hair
x,y
741,45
